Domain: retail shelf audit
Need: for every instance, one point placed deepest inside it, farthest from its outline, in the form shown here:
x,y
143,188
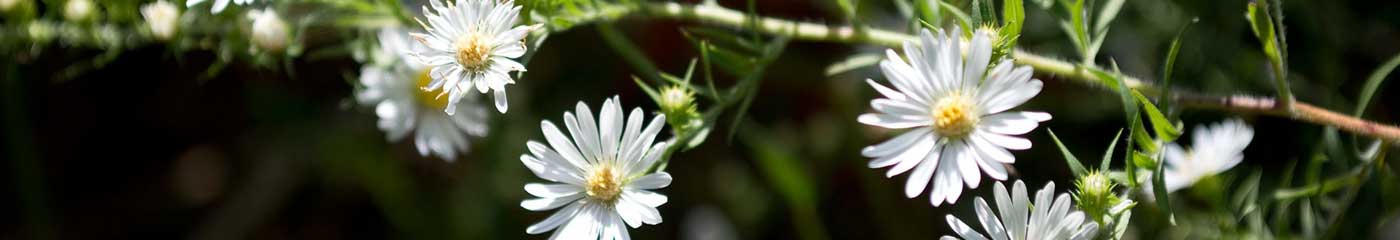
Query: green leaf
x,y
857,61
1169,65
984,12
1263,26
847,8
930,12
1165,130
963,19
1159,189
1073,162
1106,15
1079,28
1373,83
1013,16
1114,81
651,92
1129,158
1144,141
1108,153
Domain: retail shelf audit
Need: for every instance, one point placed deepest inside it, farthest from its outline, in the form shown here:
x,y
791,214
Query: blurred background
x,y
144,148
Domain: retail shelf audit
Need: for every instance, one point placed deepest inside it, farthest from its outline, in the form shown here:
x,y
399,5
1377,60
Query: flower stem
x,y
719,15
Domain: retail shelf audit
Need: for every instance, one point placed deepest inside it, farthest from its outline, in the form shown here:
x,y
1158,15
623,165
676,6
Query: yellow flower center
x,y
473,53
604,184
954,116
429,98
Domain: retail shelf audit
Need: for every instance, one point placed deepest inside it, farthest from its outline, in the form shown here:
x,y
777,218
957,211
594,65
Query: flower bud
x,y
162,18
678,103
1095,195
269,31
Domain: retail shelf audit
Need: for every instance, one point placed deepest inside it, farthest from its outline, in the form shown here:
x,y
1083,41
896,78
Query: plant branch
x,y
719,15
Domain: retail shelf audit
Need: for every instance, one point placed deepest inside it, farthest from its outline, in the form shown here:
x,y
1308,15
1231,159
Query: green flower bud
x,y
1095,195
678,103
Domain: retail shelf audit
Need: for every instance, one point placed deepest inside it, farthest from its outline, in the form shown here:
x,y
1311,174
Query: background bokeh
x,y
144,149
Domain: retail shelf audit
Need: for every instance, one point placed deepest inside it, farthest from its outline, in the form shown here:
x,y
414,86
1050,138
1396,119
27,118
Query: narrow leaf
x,y
1108,153
1373,83
1159,189
1165,130
1073,162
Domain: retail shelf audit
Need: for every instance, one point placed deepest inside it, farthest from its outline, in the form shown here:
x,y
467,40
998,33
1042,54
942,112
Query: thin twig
x,y
719,15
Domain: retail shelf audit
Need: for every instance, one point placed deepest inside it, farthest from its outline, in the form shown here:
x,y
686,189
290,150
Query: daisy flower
x,y
1214,149
218,6
600,174
1047,220
955,113
392,88
471,44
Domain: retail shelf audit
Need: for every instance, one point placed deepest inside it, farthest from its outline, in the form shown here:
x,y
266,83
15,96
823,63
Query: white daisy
x,y
471,44
161,18
1048,220
600,174
956,112
219,5
1214,149
392,88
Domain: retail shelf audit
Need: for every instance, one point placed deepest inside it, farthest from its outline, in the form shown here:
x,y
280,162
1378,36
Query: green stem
x,y
719,15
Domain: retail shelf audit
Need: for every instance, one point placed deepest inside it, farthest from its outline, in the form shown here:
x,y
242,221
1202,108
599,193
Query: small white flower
x,y
1214,149
161,18
77,10
600,175
6,5
1047,220
269,31
471,44
219,5
957,112
392,89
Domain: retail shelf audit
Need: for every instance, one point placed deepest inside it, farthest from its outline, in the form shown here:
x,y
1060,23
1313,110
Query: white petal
x,y
896,144
905,109
552,190
921,176
561,144
962,229
979,54
967,165
886,91
910,157
892,121
542,204
1008,142
652,181
989,151
554,220
610,127
1011,123
1011,97
989,220
648,198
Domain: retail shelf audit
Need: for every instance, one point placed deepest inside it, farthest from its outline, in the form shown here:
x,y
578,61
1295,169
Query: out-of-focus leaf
x,y
1078,28
633,55
783,170
963,19
1159,190
1144,141
1373,83
1108,153
1262,24
1073,162
1013,16
651,92
1106,15
854,62
1169,65
1244,201
848,8
1166,131
930,11
984,12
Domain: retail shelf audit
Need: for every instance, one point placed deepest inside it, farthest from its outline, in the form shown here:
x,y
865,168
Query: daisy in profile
x,y
392,88
470,45
954,113
1021,219
599,173
218,6
1214,149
